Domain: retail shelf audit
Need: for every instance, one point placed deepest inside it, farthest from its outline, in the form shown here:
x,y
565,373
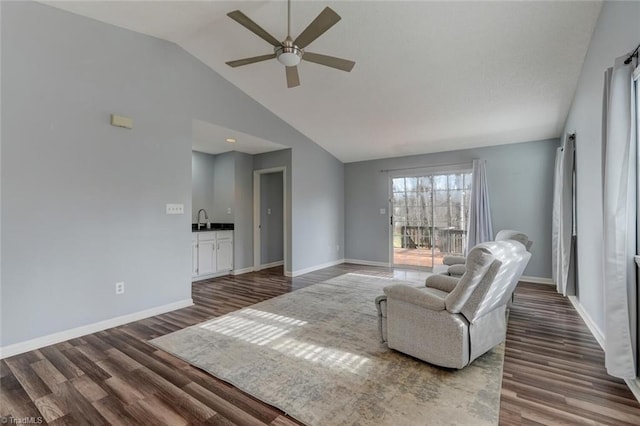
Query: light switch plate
x,y
175,208
383,211
120,121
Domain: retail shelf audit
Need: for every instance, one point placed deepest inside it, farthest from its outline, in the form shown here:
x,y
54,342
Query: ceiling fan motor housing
x,y
288,54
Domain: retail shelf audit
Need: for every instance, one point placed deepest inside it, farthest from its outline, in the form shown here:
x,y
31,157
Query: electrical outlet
x,y
229,210
120,288
383,211
268,211
175,208
338,248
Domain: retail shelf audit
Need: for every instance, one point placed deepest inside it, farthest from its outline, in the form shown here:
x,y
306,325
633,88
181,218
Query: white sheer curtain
x,y
480,228
562,220
620,219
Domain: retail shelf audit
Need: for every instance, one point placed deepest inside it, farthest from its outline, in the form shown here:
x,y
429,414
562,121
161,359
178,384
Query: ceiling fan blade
x,y
246,22
327,19
252,60
329,61
293,79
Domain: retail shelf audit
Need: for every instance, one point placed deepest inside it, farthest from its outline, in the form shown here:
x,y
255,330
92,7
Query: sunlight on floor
x,y
328,357
258,331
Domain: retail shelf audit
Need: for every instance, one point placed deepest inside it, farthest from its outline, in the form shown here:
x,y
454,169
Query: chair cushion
x,y
509,234
456,270
479,260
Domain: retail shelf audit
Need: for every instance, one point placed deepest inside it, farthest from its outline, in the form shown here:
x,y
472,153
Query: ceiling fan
x,y
290,52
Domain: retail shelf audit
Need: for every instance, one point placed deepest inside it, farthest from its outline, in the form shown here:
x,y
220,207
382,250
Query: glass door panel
x,y
430,214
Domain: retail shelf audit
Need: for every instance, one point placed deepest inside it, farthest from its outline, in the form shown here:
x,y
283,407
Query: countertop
x,y
214,227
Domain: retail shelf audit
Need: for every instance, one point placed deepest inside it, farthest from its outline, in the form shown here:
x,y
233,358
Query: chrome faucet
x,y
206,218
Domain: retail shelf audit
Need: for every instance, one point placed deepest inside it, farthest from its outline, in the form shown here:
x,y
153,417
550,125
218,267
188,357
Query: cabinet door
x,y
194,257
206,257
225,254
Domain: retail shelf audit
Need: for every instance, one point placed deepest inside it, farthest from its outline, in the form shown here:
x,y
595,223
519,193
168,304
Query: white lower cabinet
x,y
225,251
194,254
213,253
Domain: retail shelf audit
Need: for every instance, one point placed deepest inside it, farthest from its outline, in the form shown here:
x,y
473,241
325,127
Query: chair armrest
x,y
457,270
454,260
416,296
442,282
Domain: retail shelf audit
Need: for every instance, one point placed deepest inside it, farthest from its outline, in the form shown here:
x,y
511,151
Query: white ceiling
x,y
429,76
211,138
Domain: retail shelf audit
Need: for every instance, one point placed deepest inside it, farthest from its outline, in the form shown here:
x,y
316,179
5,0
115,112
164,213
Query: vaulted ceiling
x,y
429,76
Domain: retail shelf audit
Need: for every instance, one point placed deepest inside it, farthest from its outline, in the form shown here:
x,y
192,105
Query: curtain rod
x,y
634,53
424,167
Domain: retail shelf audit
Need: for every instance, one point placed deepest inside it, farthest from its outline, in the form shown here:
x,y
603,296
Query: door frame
x,y
257,174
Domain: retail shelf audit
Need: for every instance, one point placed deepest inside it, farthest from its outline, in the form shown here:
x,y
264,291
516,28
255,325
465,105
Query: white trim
x,y
272,264
634,387
537,280
256,215
61,336
593,327
313,268
242,271
367,262
208,276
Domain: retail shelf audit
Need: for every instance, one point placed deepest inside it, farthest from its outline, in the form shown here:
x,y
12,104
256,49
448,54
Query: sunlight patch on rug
x,y
315,353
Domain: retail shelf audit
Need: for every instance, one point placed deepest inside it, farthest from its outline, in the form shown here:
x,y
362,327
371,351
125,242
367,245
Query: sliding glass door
x,y
429,218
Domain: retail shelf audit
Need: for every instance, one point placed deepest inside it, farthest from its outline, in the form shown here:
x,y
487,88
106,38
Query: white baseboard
x,y
634,387
313,268
52,339
593,327
208,276
367,262
537,280
272,264
242,271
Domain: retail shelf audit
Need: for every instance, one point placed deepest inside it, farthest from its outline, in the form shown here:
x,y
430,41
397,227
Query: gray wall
x,y
269,160
271,219
83,203
243,196
202,178
520,188
224,188
318,204
617,33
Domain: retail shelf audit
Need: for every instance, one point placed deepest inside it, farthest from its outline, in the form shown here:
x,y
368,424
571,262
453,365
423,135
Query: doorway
x,y
269,218
429,217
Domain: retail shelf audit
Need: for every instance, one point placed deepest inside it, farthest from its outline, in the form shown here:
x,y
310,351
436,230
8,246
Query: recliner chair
x,y
451,322
454,265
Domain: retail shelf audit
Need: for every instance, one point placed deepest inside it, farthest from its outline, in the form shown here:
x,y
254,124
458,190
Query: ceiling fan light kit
x,y
290,52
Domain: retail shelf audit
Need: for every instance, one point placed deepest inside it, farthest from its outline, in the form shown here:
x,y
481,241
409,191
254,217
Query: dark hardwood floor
x,y
553,373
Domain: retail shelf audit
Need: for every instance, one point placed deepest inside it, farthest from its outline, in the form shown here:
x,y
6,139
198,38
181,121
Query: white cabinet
x,y
212,254
225,250
207,253
194,254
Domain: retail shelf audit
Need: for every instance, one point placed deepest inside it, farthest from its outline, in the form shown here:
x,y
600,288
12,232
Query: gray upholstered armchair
x,y
451,322
454,265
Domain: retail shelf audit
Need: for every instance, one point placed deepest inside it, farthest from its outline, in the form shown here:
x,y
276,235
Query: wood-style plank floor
x,y
553,374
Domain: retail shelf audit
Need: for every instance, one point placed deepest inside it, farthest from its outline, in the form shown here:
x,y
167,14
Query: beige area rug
x,y
315,354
